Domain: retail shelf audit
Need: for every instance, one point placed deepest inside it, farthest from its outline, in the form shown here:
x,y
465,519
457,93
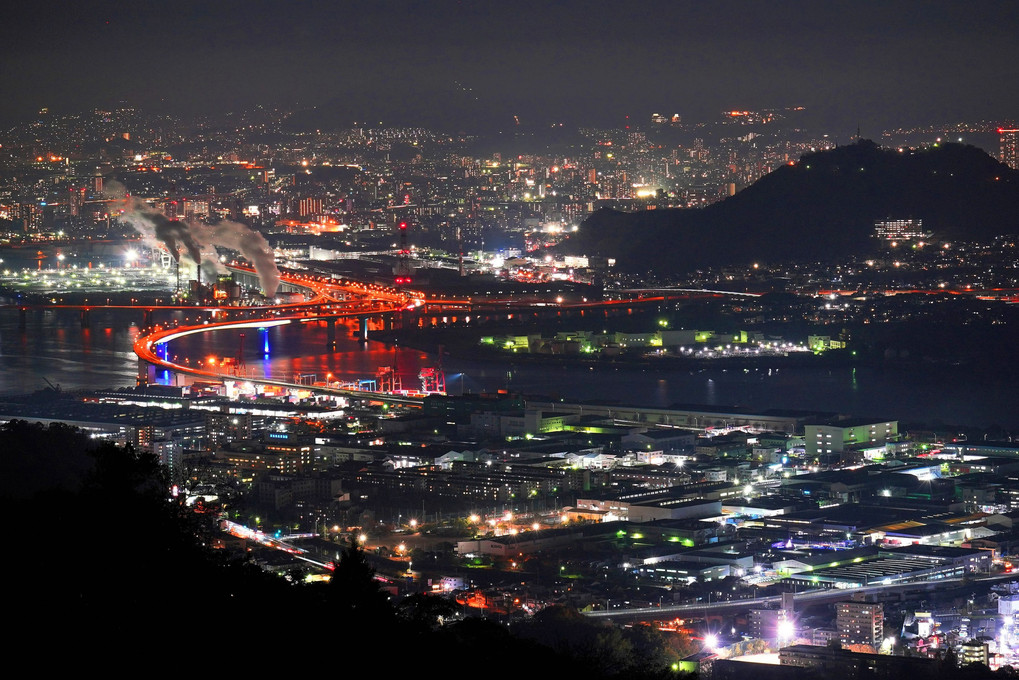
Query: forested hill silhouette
x,y
822,206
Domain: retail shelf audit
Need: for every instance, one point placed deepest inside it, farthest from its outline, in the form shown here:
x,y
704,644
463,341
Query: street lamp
x,y
786,630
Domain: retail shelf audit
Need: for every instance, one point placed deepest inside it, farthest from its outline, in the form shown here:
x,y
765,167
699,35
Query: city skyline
x,y
390,318
479,66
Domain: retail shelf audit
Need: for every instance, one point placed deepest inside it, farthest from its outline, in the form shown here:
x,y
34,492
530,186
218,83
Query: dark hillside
x,y
822,206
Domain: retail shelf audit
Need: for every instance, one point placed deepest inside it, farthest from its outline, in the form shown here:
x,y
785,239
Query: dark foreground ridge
x,y
134,569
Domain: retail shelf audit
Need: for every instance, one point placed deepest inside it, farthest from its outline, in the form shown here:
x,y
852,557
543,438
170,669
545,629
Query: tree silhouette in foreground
x,y
599,650
425,613
355,594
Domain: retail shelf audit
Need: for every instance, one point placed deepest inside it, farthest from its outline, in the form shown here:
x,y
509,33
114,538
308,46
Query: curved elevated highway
x,y
330,301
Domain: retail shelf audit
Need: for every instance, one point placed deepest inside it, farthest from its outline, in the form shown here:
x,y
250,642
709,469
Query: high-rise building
x,y
860,623
1010,147
774,624
763,623
195,209
223,427
77,197
309,206
170,209
900,230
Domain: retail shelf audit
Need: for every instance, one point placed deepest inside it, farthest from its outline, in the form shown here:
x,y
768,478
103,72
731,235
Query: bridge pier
x,y
362,328
146,373
83,317
147,320
331,334
22,318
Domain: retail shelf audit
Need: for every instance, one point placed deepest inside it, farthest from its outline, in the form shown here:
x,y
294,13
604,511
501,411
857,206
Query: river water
x,y
54,347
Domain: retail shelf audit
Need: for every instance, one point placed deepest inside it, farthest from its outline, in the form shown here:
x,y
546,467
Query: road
x,y
331,300
815,596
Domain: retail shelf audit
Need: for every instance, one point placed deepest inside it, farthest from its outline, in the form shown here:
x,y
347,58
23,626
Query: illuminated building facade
x,y
309,206
221,428
900,230
860,623
1008,636
973,651
1009,147
847,435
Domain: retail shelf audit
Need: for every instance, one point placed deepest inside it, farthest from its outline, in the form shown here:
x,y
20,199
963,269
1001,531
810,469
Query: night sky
x,y
479,62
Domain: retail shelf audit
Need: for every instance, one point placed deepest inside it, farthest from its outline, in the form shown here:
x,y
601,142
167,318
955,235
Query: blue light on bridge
x,y
265,340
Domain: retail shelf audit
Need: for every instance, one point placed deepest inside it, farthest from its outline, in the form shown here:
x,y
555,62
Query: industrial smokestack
x,y
155,228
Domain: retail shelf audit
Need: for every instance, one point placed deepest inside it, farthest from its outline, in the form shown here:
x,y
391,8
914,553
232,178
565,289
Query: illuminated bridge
x,y
330,301
148,350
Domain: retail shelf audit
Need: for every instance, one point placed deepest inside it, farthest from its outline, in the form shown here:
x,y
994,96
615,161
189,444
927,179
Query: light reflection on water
x,y
54,347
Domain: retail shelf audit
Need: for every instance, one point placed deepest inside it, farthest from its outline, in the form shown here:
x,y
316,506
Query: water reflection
x,y
54,347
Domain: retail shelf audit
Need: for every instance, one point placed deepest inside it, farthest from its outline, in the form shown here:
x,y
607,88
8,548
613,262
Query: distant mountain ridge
x,y
824,205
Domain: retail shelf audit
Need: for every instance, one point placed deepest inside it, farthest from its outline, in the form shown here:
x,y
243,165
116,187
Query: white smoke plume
x,y
194,237
251,245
